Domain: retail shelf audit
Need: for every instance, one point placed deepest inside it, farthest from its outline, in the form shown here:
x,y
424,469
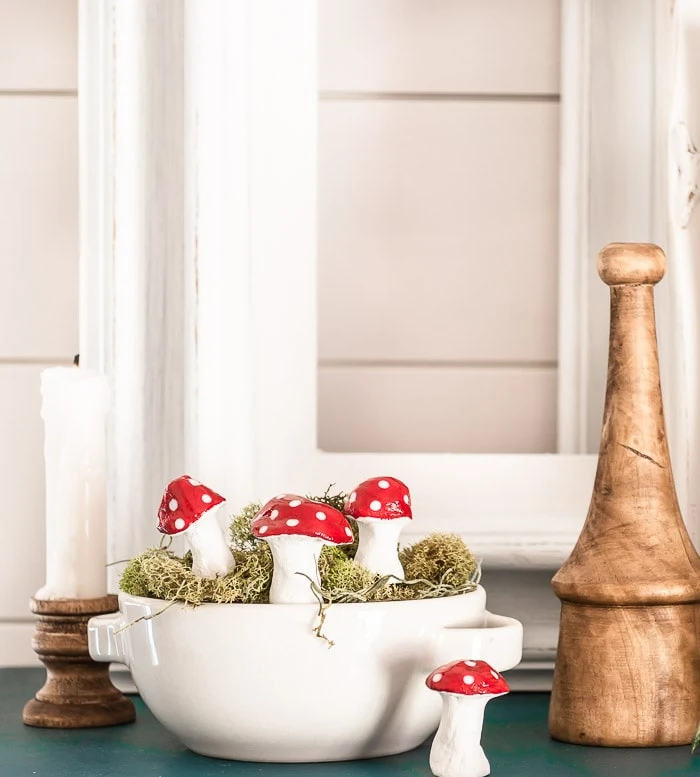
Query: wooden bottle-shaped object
x,y
628,663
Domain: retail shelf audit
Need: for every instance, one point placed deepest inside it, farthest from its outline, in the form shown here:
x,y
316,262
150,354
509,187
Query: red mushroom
x,y
381,507
189,508
466,687
296,529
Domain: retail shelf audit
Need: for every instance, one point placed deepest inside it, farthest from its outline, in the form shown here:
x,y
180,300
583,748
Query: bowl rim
x,y
315,607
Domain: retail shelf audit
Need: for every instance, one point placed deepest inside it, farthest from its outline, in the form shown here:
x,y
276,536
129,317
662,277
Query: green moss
x,y
239,530
442,558
134,580
339,573
163,575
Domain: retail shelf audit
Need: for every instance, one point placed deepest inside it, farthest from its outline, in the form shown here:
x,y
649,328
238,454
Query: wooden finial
x,y
629,263
628,662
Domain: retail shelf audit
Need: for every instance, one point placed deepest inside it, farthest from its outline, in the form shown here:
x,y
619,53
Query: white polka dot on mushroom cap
x,y
470,663
292,522
321,516
194,482
295,503
348,531
468,679
406,499
437,677
383,484
180,524
262,529
206,498
353,496
375,505
274,514
494,674
172,504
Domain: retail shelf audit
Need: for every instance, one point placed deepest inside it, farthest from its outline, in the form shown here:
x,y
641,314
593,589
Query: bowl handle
x,y
105,640
499,642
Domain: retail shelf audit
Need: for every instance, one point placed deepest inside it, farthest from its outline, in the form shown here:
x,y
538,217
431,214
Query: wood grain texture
x,y
628,670
78,692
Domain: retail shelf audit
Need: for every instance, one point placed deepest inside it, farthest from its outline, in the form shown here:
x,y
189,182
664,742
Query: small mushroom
x,y
189,508
381,507
296,529
466,687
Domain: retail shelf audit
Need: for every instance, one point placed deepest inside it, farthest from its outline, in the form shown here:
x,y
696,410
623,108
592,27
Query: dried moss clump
x,y
239,530
134,580
339,573
163,575
440,558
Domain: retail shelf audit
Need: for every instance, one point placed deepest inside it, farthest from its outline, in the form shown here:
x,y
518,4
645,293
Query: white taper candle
x,y
74,407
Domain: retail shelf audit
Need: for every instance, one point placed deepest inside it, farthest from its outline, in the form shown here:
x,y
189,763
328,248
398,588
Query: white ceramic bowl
x,y
253,682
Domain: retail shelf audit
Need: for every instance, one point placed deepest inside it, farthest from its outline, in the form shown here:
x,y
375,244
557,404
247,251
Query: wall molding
x,y
677,46
574,225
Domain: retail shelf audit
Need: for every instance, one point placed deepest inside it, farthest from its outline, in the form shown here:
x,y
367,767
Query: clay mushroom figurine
x,y
466,687
296,529
189,508
381,507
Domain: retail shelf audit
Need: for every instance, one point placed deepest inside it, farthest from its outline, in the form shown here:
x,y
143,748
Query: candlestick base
x,y
78,692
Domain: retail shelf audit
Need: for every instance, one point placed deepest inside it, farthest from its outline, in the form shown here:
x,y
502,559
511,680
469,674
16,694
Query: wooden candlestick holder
x,y
78,692
627,672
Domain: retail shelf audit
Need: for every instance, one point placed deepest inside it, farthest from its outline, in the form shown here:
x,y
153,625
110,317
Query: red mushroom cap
x,y
383,498
295,515
280,498
467,678
184,502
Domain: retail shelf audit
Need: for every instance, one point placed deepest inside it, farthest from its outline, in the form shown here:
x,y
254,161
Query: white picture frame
x,y
207,324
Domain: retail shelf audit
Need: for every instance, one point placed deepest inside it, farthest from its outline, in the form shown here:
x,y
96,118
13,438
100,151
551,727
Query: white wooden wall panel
x,y
38,45
22,468
437,409
438,221
438,231
39,291
38,226
501,46
15,644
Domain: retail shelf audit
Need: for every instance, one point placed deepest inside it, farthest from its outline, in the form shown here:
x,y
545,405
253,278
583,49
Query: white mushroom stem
x,y
295,560
211,556
456,749
377,549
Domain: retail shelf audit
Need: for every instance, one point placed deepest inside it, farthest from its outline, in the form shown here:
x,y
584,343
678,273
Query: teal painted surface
x,y
515,740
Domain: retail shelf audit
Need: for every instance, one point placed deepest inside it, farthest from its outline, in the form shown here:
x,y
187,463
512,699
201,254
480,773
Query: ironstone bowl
x,y
254,682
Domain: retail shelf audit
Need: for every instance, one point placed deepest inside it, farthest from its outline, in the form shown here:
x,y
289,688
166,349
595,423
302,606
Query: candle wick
x,y
76,360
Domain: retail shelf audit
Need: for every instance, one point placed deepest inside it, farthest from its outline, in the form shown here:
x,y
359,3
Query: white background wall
x,y
39,272
438,187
